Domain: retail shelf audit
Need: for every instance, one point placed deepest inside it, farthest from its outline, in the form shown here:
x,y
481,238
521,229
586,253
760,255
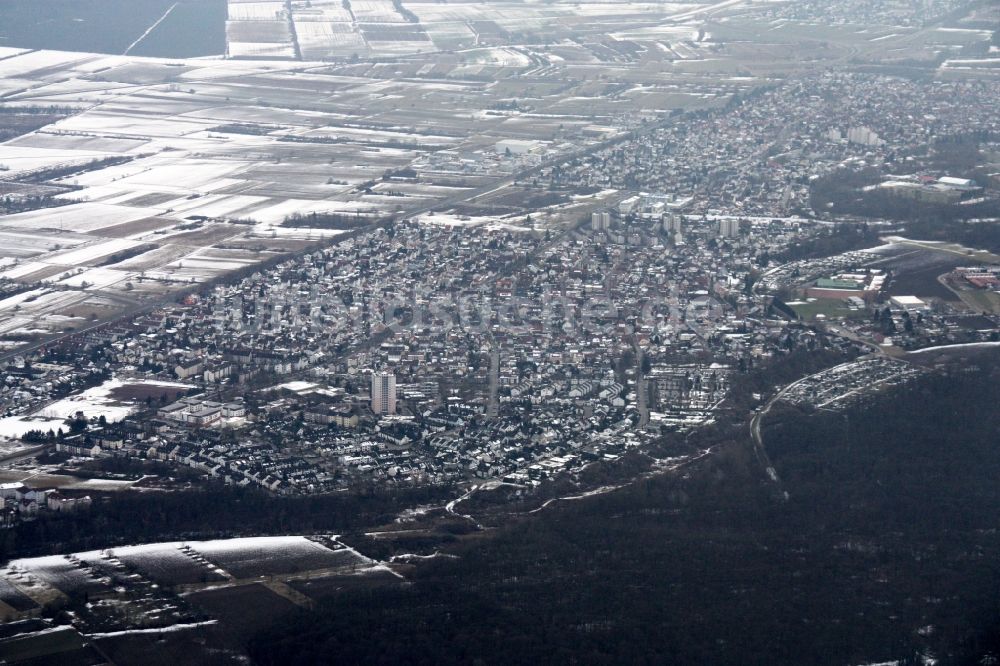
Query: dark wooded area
x,y
885,550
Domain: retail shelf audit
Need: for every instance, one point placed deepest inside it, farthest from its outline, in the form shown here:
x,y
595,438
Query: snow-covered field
x,y
14,427
89,253
449,220
44,304
56,571
167,564
94,402
255,11
259,556
98,401
83,217
185,563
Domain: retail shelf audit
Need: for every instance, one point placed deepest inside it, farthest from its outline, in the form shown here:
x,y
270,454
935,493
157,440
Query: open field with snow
x,y
138,598
254,557
35,477
115,400
192,563
58,572
168,564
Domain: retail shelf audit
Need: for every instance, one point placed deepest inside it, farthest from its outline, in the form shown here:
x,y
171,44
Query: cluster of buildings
x,y
862,12
757,157
20,503
28,387
980,277
874,313
426,353
849,382
932,189
199,412
430,353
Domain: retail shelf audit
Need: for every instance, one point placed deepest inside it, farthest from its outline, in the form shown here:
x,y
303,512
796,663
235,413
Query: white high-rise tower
x,y
384,393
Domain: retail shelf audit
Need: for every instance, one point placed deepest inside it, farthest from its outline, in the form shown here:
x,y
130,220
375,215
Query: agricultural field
x,y
31,472
168,564
245,609
603,32
195,169
57,572
15,122
51,645
269,556
183,644
977,300
192,563
14,599
320,587
175,596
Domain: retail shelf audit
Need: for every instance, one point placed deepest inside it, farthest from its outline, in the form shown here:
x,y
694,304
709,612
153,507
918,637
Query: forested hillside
x,y
886,549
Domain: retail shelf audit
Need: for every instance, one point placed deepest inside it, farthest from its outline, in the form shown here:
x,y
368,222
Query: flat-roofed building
x,y
908,303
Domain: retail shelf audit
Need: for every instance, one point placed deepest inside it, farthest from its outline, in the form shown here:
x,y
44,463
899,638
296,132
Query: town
x,y
430,352
380,331
446,347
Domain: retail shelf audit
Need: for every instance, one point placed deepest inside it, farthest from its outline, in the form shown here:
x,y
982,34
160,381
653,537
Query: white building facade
x,y
384,393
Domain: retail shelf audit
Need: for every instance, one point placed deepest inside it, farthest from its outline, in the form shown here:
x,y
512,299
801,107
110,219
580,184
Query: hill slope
x,y
885,550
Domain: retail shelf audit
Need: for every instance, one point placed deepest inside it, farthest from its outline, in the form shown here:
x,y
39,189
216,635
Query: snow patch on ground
x,y
94,402
969,345
158,630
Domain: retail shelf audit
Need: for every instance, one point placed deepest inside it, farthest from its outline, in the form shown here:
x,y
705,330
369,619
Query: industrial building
x,y
908,303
